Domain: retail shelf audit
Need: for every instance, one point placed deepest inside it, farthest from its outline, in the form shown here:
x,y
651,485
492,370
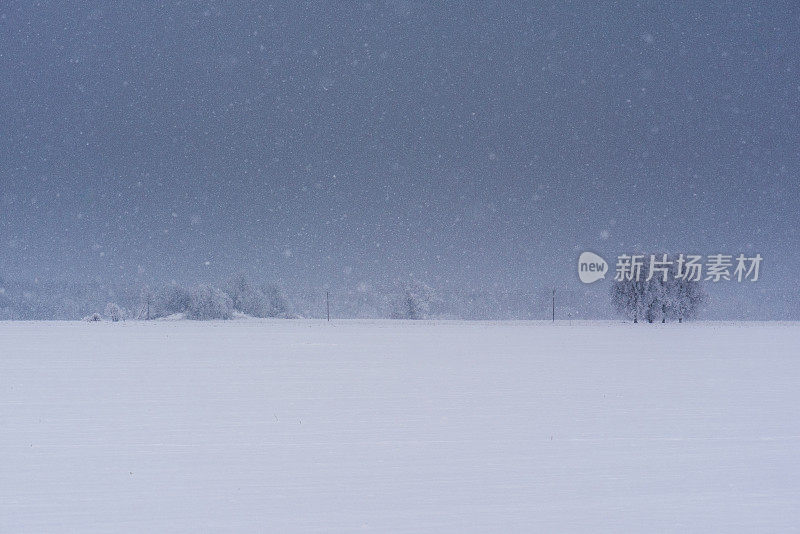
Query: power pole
x,y
328,305
554,304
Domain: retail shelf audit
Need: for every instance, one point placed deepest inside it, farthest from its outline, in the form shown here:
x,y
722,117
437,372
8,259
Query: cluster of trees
x,y
206,302
662,298
201,302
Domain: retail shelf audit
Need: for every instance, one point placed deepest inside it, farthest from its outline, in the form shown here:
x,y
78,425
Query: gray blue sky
x,y
469,144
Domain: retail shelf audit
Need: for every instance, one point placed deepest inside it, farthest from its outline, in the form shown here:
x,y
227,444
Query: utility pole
x,y
554,304
328,305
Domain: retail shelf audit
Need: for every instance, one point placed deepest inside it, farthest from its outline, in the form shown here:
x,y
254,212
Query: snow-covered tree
x,y
629,298
171,300
147,301
245,297
265,301
416,302
688,298
5,303
207,303
115,313
277,303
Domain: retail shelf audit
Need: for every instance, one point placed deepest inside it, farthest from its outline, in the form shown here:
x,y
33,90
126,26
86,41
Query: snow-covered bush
x,y
93,318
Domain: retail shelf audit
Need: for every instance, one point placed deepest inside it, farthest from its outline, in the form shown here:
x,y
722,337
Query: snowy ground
x,y
303,426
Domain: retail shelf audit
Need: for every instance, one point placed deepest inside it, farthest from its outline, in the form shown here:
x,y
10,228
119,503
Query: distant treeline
x,y
241,296
42,300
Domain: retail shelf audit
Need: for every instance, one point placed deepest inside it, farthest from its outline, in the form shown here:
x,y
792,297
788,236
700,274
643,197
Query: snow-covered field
x,y
304,426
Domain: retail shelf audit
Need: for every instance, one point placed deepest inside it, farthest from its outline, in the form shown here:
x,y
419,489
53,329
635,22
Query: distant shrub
x,y
93,318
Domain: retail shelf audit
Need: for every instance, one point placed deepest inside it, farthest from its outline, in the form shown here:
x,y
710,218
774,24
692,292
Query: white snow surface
x,y
392,426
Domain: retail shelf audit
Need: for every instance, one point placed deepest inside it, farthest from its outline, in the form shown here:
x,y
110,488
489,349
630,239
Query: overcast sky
x,y
343,143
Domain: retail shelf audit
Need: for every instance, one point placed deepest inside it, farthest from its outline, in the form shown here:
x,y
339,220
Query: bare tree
x,y
146,304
